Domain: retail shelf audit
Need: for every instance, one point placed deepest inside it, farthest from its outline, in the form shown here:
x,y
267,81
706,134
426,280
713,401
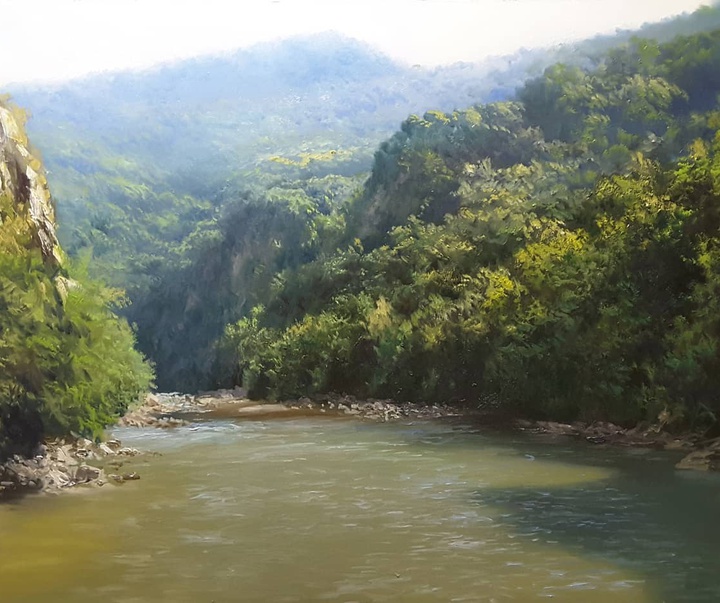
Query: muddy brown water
x,y
336,510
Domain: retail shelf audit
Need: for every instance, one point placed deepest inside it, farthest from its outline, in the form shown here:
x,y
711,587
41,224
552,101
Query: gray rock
x,y
701,460
128,452
87,473
103,448
64,454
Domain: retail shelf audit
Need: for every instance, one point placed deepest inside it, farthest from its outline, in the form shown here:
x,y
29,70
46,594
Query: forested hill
x,y
215,115
227,111
136,160
557,254
67,362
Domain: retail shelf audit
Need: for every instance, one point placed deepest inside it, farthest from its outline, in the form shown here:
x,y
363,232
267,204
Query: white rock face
x,y
22,177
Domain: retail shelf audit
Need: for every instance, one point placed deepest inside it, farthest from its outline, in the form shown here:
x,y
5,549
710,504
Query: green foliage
x,y
559,255
137,160
230,265
318,353
416,172
67,363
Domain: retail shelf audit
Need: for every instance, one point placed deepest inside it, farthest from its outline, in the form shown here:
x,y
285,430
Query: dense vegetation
x,y
555,252
137,160
558,253
67,362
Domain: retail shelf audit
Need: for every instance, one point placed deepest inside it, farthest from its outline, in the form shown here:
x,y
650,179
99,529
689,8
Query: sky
x,y
54,40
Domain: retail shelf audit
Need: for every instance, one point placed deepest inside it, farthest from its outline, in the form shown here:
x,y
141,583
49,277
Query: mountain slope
x,y
557,255
171,175
155,149
137,159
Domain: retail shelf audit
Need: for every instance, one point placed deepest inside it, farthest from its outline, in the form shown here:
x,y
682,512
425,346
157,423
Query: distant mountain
x,y
316,92
318,89
137,159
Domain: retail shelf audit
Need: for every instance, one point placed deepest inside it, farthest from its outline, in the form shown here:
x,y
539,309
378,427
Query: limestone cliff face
x,y
23,180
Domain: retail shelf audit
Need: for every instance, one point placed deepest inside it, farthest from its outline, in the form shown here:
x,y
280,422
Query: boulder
x,y
705,459
87,473
105,450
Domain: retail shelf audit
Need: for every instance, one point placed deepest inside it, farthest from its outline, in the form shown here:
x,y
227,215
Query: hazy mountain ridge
x,y
313,89
136,160
297,89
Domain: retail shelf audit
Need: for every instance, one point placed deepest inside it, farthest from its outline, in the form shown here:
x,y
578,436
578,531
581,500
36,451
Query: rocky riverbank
x,y
62,464
172,410
59,465
703,454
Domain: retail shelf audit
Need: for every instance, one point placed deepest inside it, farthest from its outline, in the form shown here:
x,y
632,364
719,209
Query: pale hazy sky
x,y
59,39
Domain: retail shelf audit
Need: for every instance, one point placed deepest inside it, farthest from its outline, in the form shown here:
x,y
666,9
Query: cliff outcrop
x,y
23,181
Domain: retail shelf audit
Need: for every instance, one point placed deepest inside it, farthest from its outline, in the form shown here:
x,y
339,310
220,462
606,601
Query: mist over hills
x,y
227,111
313,90
137,159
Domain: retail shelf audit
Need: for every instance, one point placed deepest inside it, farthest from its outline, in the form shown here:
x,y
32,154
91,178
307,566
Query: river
x,y
338,510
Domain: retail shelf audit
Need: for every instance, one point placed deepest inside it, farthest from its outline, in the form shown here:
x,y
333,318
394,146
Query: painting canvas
x,y
313,300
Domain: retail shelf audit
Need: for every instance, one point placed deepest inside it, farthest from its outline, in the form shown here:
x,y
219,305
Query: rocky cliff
x,y
23,181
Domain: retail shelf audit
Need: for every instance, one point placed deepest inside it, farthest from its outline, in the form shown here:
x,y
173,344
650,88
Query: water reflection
x,y
647,518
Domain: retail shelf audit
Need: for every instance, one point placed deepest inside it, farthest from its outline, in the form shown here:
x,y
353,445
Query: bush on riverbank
x,y
67,363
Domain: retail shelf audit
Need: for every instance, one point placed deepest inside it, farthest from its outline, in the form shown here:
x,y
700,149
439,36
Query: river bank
x,y
172,410
67,463
62,464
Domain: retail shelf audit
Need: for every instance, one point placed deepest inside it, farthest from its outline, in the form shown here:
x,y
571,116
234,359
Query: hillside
x,y
555,254
138,159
